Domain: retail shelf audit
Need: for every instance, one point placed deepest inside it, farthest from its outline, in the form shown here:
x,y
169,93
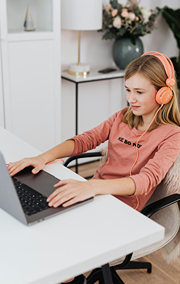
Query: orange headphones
x,y
164,94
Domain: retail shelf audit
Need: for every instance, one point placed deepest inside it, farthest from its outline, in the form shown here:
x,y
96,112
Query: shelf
x,y
22,31
40,10
28,36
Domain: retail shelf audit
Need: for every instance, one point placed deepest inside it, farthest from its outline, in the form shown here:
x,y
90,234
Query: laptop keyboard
x,y
31,200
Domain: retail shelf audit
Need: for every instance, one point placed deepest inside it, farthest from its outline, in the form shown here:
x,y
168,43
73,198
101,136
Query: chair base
x,y
99,275
136,265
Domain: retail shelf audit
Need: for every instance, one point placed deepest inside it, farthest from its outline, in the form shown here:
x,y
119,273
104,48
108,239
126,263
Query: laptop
x,y
24,195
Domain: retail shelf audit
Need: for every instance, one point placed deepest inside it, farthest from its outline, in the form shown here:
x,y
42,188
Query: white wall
x,y
99,100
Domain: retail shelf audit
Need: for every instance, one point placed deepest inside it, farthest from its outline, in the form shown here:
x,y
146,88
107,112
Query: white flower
x,y
146,13
117,22
131,16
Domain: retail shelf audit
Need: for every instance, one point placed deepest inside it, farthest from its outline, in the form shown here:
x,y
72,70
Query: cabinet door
x,y
32,107
1,93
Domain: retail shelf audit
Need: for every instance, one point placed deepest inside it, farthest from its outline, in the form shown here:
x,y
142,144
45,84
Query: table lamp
x,y
81,15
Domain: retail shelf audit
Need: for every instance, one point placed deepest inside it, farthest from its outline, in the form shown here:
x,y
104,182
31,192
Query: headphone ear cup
x,y
164,95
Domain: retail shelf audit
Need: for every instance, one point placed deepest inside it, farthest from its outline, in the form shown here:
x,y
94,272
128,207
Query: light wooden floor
x,y
162,273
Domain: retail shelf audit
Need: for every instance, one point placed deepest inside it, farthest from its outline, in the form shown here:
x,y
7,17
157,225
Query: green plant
x,y
127,20
172,18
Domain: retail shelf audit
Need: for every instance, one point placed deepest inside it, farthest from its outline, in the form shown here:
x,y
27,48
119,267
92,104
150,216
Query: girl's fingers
x,y
56,192
16,167
9,165
58,184
63,182
59,200
73,191
36,170
62,187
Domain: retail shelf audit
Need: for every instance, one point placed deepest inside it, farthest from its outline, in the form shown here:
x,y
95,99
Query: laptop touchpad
x,y
42,182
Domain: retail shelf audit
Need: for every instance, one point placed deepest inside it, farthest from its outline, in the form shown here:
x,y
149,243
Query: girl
x,y
144,140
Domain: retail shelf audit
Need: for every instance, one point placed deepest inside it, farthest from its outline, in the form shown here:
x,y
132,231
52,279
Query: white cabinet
x,y
31,71
1,94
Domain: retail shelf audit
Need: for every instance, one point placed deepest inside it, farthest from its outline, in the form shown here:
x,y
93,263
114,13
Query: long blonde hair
x,y
152,69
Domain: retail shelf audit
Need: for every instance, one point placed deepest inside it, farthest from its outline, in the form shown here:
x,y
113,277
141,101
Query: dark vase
x,y
124,51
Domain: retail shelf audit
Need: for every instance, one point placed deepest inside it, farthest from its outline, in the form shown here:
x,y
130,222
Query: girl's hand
x,y
36,162
70,192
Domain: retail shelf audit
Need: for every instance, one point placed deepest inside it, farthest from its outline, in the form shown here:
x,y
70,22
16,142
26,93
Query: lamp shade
x,y
81,15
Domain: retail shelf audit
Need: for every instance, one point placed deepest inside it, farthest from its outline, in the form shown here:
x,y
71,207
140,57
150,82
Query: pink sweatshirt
x,y
157,149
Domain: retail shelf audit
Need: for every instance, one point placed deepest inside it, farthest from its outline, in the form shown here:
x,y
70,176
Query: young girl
x,y
144,140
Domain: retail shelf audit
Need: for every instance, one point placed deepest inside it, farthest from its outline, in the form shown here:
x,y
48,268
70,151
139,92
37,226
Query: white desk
x,y
73,242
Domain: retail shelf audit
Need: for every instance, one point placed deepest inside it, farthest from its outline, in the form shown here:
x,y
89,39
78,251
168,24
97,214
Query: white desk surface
x,y
73,242
93,75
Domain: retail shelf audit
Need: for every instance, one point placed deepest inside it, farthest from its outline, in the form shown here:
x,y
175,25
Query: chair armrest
x,y
148,211
152,208
84,155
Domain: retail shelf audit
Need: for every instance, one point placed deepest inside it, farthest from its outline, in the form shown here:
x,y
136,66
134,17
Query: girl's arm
x,y
62,150
86,141
72,191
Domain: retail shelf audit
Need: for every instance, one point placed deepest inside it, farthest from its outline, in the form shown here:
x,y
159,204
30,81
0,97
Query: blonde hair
x,y
151,68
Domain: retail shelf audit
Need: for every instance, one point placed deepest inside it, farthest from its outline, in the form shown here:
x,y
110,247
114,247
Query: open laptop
x,y
24,195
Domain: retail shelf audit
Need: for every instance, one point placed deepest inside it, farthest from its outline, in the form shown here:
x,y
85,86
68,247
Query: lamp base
x,y
81,69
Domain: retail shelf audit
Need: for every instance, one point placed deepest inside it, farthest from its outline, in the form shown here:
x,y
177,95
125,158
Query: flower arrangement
x,y
127,20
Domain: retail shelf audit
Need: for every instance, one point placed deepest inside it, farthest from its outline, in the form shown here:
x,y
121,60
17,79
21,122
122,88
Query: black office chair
x,y
159,202
84,155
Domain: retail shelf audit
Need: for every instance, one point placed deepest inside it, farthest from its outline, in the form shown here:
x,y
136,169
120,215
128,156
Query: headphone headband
x,y
166,61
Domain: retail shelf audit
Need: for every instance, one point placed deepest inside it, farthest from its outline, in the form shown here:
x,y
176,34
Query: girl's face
x,y
141,94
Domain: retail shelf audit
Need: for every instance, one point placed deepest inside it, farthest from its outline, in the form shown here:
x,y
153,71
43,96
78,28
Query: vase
x,y
124,51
